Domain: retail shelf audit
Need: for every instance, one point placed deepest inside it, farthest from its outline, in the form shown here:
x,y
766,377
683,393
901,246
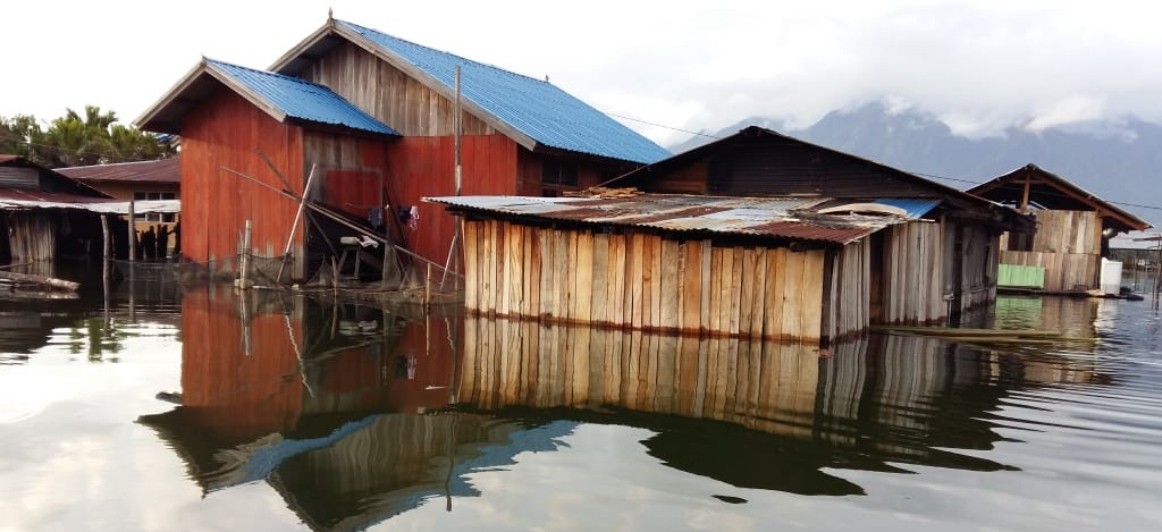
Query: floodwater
x,y
200,410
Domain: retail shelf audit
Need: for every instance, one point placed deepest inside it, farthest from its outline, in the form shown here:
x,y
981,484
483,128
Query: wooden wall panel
x,y
424,166
226,132
645,282
388,94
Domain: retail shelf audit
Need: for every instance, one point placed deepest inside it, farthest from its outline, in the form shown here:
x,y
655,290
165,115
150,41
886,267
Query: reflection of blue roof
x,y
300,99
915,208
536,108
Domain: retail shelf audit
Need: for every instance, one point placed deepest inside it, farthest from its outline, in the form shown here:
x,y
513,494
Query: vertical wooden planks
x,y
691,318
600,297
471,265
776,280
635,279
792,294
811,303
617,277
670,284
583,293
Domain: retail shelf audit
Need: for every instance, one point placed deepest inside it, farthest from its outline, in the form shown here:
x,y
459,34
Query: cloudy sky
x,y
979,65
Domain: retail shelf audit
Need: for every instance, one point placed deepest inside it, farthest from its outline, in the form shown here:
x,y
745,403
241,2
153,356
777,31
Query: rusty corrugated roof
x,y
163,171
790,218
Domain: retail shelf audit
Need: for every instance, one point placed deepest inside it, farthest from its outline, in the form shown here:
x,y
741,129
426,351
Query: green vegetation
x,y
79,139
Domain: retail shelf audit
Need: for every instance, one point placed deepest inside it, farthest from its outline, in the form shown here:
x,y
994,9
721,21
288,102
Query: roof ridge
x,y
267,72
118,163
445,52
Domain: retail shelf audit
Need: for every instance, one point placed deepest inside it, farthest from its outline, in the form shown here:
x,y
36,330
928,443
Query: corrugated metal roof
x,y
535,107
790,218
301,99
22,200
915,208
163,171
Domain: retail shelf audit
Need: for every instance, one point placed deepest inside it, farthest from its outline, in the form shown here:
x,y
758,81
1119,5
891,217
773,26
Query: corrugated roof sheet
x,y
534,107
23,200
301,99
915,208
789,218
163,171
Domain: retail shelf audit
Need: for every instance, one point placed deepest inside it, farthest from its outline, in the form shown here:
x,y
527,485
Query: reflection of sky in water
x,y
1072,434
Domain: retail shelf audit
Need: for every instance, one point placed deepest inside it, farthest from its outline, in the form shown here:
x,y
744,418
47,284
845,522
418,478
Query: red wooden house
x,y
377,115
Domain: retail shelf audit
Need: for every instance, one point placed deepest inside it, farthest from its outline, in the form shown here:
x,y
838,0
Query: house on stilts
x,y
1069,251
757,235
376,117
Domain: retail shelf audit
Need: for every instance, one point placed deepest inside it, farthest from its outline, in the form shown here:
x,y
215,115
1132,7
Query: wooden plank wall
x,y
642,281
850,298
764,385
389,95
977,258
225,132
424,166
591,171
913,283
1067,244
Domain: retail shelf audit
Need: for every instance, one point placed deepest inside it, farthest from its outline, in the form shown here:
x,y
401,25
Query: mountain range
x,y
1119,161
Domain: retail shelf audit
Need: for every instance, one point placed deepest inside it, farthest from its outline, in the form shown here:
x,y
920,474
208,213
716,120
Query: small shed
x,y
43,215
1073,230
778,268
957,253
138,181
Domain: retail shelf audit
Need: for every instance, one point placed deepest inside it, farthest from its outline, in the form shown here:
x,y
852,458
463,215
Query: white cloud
x,y
690,65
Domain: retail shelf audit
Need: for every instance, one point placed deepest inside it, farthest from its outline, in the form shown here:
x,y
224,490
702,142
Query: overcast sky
x,y
980,66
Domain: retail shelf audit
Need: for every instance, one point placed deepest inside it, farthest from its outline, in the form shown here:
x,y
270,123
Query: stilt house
x,y
757,235
376,115
42,214
1072,236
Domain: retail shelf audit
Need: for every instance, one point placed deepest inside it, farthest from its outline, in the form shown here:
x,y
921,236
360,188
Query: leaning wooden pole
x,y
290,238
244,274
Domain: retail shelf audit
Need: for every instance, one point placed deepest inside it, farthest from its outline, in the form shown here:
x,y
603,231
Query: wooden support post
x,y
244,272
132,233
106,274
428,288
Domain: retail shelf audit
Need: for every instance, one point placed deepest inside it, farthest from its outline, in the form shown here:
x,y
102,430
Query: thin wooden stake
x,y
132,233
244,275
295,225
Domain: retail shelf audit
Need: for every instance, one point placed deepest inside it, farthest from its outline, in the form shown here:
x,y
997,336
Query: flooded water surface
x,y
201,410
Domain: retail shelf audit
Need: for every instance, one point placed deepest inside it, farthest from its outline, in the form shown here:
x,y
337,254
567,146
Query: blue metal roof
x,y
536,108
916,208
300,99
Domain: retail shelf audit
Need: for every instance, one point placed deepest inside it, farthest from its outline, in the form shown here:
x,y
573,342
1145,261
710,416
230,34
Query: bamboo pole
x,y
290,238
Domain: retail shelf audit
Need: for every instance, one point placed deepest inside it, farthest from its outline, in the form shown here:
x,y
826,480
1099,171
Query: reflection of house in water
x,y
327,404
759,414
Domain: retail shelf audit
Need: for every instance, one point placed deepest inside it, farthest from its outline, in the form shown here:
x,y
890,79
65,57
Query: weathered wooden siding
x,y
424,166
849,296
388,94
970,265
32,235
1067,244
764,385
352,170
913,281
643,282
226,132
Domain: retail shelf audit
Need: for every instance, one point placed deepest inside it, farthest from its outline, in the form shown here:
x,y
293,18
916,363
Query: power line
x,y
663,126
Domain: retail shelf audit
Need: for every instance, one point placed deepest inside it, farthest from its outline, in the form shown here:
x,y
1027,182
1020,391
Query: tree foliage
x,y
79,139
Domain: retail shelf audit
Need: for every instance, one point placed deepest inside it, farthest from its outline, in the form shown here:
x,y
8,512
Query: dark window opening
x,y
1020,242
558,173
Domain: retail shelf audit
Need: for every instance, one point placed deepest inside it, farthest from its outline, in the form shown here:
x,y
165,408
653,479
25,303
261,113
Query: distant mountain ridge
x,y
1118,161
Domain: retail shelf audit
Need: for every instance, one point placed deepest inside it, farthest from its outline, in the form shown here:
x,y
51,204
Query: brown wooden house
x,y
382,138
45,215
1073,230
952,260
137,181
757,235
